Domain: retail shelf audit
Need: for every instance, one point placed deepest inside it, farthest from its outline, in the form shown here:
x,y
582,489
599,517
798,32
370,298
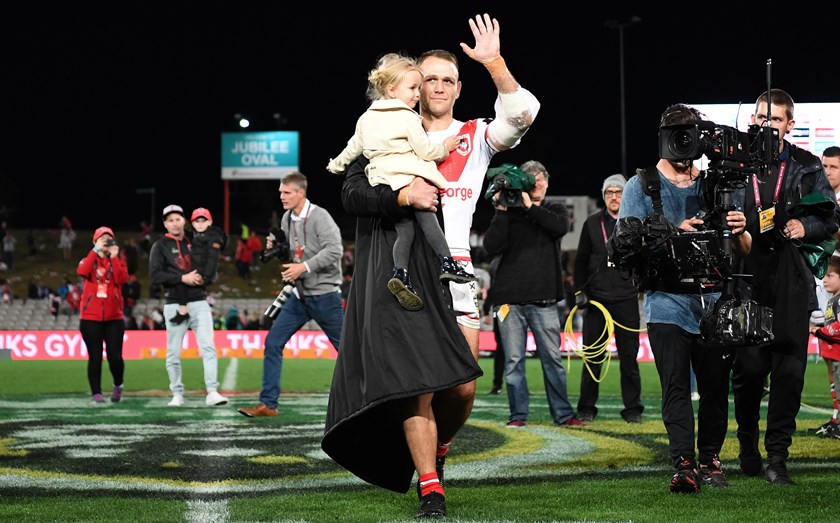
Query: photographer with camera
x,y
311,238
596,278
101,315
526,233
673,322
781,280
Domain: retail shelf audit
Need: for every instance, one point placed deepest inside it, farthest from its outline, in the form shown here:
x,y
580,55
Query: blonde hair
x,y
390,70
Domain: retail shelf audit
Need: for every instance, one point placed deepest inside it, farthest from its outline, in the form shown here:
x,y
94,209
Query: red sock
x,y
442,449
430,483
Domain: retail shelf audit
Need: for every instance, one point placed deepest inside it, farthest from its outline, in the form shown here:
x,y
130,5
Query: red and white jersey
x,y
464,169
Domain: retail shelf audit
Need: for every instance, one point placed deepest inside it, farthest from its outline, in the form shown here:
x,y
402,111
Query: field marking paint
x,y
207,512
229,379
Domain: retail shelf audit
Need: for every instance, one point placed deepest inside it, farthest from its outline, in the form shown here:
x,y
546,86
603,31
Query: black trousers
x,y
675,351
785,363
626,313
95,333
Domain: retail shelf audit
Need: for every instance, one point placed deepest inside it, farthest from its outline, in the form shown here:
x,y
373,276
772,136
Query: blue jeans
x,y
324,309
544,322
201,323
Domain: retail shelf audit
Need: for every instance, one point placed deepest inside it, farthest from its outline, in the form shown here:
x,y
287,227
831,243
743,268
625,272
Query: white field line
x,y
229,379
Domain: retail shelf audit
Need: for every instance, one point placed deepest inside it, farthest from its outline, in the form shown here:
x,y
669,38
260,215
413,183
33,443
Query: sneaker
x,y
453,271
585,416
176,401
261,410
572,422
116,394
179,318
97,399
824,430
400,287
685,480
432,505
833,432
777,473
515,423
495,391
214,399
712,474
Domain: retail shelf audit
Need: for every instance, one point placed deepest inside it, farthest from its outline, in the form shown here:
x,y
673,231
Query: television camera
x,y
510,182
664,258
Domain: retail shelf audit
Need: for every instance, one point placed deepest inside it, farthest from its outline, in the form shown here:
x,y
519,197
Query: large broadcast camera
x,y
666,258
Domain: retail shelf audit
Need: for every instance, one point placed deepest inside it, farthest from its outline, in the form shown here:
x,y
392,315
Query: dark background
x,y
101,101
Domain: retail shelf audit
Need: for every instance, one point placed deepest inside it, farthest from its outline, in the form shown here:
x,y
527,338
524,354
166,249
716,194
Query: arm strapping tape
x,y
514,114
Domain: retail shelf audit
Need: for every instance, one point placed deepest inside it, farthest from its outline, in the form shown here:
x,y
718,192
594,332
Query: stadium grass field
x,y
63,459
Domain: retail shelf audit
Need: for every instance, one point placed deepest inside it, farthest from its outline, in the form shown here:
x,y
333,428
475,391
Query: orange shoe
x,y
260,410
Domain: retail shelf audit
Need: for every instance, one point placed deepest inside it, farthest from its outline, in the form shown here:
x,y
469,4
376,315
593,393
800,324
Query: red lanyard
x,y
776,191
604,230
299,247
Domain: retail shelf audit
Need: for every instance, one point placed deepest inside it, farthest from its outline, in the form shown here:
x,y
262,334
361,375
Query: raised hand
x,y
487,45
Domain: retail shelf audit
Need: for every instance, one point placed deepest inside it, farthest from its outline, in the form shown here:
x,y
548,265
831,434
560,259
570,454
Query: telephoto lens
x,y
278,302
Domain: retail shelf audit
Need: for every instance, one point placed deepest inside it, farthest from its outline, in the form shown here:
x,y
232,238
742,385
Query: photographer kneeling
x,y
673,316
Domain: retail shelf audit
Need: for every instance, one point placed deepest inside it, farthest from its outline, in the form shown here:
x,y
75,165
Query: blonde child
x,y
390,134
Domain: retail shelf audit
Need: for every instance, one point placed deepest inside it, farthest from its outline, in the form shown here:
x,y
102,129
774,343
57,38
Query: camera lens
x,y
682,144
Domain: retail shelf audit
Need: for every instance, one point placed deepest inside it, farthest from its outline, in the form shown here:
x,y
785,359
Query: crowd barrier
x,y
138,344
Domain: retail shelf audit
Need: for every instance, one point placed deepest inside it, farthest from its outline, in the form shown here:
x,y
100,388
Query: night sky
x,y
125,97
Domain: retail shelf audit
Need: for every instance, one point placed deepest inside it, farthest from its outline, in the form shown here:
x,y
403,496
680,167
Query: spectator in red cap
x,y
101,314
207,244
170,265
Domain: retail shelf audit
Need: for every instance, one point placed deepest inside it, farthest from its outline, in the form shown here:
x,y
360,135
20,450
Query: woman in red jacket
x,y
101,315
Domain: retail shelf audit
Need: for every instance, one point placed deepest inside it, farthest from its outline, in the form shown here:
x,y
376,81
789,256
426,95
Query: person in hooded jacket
x,y
101,311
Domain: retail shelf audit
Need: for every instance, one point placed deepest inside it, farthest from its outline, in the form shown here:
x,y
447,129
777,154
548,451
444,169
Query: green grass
x,y
62,459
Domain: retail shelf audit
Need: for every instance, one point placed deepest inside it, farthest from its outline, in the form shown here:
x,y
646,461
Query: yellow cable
x,y
597,353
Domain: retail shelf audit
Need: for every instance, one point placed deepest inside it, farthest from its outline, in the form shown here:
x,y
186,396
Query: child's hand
x,y
452,143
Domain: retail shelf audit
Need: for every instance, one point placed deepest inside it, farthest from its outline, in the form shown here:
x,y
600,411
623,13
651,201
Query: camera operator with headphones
x,y
315,271
673,323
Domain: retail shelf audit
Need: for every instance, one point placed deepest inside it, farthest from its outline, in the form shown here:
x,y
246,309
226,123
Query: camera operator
x,y
315,270
781,280
673,324
525,291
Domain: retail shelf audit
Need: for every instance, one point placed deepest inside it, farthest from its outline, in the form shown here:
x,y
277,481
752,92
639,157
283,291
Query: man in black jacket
x,y
781,280
527,286
595,278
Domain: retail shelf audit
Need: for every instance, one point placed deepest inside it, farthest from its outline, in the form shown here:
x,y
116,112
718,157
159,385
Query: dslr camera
x,y
510,182
110,242
280,249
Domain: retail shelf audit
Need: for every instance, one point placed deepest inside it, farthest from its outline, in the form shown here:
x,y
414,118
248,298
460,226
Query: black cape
x,y
388,353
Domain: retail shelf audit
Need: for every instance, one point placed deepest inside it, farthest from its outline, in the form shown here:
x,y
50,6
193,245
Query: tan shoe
x,y
260,410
